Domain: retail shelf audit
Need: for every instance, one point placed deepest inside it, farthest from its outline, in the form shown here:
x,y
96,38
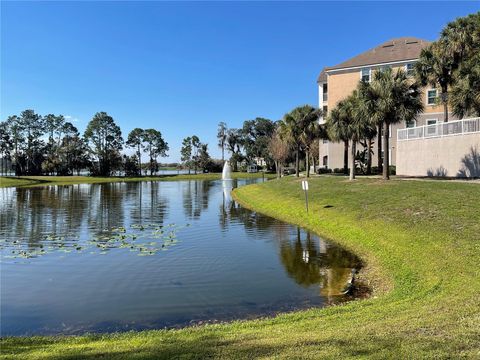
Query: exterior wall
x,y
320,100
341,85
442,156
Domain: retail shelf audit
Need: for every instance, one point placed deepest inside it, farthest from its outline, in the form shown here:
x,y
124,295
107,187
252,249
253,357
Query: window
x,y
325,110
431,127
365,74
410,124
325,141
325,92
431,97
410,69
325,161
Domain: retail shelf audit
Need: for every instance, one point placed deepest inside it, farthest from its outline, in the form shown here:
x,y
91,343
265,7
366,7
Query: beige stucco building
x,y
337,82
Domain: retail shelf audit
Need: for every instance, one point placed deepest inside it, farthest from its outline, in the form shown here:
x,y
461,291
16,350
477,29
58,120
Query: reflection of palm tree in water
x,y
308,266
296,258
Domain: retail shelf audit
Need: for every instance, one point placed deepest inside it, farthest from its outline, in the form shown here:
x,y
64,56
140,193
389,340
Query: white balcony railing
x,y
465,126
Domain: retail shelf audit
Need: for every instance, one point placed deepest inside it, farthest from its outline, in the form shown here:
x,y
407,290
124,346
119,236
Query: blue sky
x,y
183,67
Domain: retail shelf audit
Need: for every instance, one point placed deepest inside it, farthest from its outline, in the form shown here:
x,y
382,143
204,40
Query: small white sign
x,y
304,185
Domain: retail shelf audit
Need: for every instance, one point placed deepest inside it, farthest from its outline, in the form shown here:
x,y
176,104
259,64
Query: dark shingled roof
x,y
405,48
323,76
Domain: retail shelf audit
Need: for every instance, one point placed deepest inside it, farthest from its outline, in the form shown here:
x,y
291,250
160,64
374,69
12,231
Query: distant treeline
x,y
31,144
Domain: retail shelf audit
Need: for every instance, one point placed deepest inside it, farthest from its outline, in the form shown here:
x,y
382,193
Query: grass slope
x,y
31,181
421,243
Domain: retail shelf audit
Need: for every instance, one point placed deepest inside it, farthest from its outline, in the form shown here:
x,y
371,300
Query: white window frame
x,y
427,98
414,124
428,130
369,73
406,68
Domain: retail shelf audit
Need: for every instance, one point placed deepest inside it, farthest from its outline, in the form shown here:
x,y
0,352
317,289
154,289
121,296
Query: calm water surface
x,y
122,256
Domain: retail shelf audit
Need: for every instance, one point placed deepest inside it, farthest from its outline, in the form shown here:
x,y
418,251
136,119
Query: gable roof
x,y
323,76
400,49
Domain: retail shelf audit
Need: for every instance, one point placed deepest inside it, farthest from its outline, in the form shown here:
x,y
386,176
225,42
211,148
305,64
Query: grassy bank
x,y
421,243
30,181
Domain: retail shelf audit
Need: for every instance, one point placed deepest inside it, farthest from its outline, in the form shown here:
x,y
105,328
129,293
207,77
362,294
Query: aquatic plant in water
x,y
144,239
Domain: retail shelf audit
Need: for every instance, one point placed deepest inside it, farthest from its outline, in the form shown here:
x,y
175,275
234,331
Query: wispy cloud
x,y
71,118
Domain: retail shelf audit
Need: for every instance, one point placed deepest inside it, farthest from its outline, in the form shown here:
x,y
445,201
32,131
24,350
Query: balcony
x,y
465,126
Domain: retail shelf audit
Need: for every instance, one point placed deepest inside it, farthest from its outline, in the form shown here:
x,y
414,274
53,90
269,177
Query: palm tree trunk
x,y
307,162
345,157
379,150
445,103
352,160
297,162
369,154
386,152
314,164
139,160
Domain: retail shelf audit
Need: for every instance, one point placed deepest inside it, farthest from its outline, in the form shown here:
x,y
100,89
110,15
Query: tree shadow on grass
x,y
244,346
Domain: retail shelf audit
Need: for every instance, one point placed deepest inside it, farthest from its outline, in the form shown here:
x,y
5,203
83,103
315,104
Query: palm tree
x,y
349,121
290,133
462,36
222,137
435,67
391,98
311,132
296,128
369,109
462,42
337,129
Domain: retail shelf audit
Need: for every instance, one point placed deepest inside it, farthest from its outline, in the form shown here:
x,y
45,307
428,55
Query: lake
x,y
150,255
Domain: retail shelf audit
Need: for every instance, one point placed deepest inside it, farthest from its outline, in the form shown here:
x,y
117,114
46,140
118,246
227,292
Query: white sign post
x,y
305,189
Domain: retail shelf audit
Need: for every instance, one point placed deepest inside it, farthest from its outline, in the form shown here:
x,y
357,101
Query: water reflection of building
x,y
312,261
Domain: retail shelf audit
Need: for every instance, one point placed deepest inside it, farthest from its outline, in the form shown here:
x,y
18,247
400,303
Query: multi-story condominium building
x,y
337,82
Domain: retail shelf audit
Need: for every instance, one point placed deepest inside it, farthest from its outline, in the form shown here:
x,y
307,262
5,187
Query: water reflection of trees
x,y
195,197
29,215
306,258
310,261
105,210
146,201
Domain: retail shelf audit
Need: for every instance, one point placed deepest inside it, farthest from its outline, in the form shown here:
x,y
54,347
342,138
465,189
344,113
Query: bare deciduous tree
x,y
279,150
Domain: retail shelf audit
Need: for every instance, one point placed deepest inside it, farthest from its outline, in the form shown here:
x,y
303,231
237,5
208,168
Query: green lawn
x,y
421,243
30,181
